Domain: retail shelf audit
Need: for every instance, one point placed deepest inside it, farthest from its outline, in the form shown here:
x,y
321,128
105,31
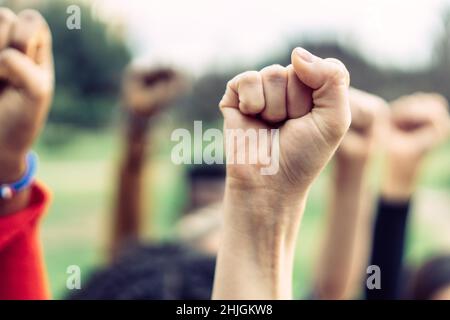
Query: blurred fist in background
x,y
418,123
26,86
146,91
369,115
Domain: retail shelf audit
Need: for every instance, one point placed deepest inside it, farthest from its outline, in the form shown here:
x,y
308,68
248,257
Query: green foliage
x,y
88,64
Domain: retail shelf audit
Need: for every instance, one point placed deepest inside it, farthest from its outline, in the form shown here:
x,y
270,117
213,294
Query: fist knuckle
x,y
230,84
380,103
441,100
274,73
250,78
274,117
6,15
251,106
7,56
30,15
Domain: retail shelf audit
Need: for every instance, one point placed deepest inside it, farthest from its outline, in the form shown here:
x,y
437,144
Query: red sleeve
x,y
22,268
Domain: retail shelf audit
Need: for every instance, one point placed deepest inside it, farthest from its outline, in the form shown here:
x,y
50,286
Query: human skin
x,y
442,294
145,94
347,234
308,102
26,75
418,123
412,127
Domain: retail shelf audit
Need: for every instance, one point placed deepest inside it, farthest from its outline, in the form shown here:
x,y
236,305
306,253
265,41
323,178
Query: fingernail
x,y
304,55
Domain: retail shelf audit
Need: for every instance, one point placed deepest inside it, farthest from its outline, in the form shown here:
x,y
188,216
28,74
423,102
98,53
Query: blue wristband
x,y
7,191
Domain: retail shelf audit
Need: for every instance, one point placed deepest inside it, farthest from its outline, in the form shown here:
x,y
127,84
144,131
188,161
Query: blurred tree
x,y
89,63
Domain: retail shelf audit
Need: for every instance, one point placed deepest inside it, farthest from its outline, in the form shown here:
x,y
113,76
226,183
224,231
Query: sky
x,y
198,35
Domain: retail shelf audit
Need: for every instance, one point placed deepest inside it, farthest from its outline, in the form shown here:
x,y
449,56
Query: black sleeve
x,y
388,247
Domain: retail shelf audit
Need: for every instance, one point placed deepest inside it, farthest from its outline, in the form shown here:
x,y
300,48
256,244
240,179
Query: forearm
x,y
128,216
346,234
397,189
400,178
255,260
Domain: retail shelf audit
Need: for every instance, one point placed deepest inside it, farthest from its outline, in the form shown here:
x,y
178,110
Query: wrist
x,y
12,167
136,135
264,201
260,239
266,193
262,217
399,180
267,265
16,176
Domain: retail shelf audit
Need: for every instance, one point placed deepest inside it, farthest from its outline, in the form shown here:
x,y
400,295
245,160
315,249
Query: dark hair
x,y
168,271
430,277
206,172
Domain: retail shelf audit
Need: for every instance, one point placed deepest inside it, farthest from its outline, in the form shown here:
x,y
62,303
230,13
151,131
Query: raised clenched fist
x,y
146,91
418,123
307,101
369,116
297,115
26,80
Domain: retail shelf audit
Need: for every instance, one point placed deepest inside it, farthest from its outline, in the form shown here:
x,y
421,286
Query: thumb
x,y
329,80
315,72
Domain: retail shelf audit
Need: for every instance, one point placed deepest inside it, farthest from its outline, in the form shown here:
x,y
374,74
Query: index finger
x,y
31,35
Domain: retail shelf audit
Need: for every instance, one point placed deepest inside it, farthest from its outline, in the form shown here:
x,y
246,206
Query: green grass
x,y
79,168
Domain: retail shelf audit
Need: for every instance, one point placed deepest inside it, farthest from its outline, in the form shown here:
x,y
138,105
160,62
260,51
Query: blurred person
x,y
201,224
167,271
418,123
183,269
345,245
308,102
26,91
145,92
206,185
26,73
432,280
